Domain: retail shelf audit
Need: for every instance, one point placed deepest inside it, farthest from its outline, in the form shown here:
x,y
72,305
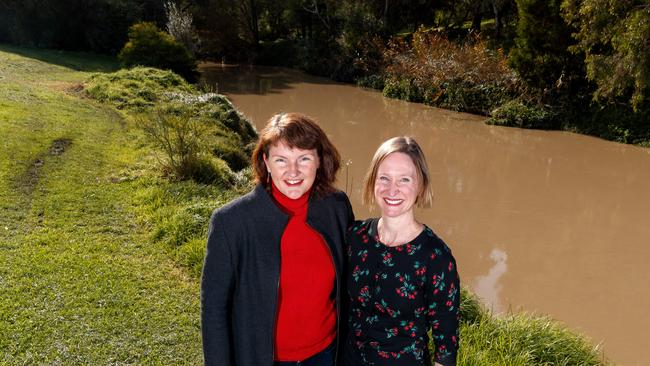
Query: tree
x,y
614,36
541,56
91,25
180,26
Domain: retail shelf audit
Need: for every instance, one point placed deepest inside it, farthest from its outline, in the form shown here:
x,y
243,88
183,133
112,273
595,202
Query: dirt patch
x,y
76,89
59,145
30,178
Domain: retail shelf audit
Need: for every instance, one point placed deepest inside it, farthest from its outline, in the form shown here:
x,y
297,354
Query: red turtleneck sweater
x,y
306,317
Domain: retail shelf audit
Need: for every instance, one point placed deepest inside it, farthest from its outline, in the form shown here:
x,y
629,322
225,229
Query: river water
x,y
540,221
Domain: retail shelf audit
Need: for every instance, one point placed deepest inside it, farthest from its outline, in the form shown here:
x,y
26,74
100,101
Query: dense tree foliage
x,y
93,25
582,65
615,37
541,55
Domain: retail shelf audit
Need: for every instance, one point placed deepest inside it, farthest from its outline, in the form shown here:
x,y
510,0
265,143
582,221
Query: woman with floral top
x,y
402,280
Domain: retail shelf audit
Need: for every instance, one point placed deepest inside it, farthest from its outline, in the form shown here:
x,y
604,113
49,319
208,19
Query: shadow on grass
x,y
79,61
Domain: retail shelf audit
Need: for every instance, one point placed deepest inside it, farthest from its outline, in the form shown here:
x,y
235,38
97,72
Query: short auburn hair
x,y
410,147
297,131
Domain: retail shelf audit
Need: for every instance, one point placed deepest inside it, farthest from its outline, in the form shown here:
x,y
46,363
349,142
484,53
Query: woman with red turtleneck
x,y
307,280
270,290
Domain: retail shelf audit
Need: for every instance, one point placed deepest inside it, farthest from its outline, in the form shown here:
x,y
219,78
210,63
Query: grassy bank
x,y
80,281
101,248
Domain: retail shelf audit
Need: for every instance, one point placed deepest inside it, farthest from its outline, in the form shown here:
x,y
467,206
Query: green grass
x,y
80,281
520,339
100,256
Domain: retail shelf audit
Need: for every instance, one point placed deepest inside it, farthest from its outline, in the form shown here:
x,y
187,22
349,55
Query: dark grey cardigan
x,y
241,273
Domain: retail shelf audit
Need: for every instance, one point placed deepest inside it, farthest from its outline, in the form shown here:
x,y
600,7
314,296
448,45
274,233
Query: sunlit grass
x,y
520,339
80,281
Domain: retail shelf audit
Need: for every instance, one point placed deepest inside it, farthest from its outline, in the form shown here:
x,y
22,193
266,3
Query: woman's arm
x,y
443,298
216,291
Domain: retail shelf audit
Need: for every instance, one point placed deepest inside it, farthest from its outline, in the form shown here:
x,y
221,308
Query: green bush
x,y
231,136
473,98
182,136
614,122
515,113
149,46
404,89
374,81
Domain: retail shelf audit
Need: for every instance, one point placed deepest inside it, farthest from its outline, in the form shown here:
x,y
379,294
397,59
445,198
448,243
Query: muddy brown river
x,y
541,221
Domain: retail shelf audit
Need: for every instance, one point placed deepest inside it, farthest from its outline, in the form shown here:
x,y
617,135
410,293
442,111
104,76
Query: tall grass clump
x,y
431,69
519,339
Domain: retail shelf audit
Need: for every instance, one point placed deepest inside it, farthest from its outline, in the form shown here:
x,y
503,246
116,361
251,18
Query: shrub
x,y
614,122
430,68
231,136
374,81
404,89
515,113
149,46
181,135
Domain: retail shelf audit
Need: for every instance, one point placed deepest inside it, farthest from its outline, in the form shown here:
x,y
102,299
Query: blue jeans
x,y
322,358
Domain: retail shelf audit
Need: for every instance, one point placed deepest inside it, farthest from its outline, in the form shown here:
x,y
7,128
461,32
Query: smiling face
x,y
396,186
292,170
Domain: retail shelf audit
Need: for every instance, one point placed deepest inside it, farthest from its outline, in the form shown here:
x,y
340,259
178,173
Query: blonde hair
x,y
410,147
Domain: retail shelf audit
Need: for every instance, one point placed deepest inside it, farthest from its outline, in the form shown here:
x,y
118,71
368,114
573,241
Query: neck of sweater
x,y
290,206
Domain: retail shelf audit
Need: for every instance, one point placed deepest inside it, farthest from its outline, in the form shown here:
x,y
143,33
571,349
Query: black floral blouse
x,y
399,293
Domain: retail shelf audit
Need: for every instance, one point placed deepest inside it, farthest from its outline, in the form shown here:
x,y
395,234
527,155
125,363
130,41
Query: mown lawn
x,y
80,280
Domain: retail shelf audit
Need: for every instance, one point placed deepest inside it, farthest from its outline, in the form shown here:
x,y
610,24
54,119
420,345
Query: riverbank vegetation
x,y
576,65
102,242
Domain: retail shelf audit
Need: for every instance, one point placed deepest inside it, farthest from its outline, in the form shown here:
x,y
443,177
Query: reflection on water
x,y
487,286
570,211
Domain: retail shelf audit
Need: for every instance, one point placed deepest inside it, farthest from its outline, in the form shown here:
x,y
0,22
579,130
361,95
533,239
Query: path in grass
x,y
79,281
